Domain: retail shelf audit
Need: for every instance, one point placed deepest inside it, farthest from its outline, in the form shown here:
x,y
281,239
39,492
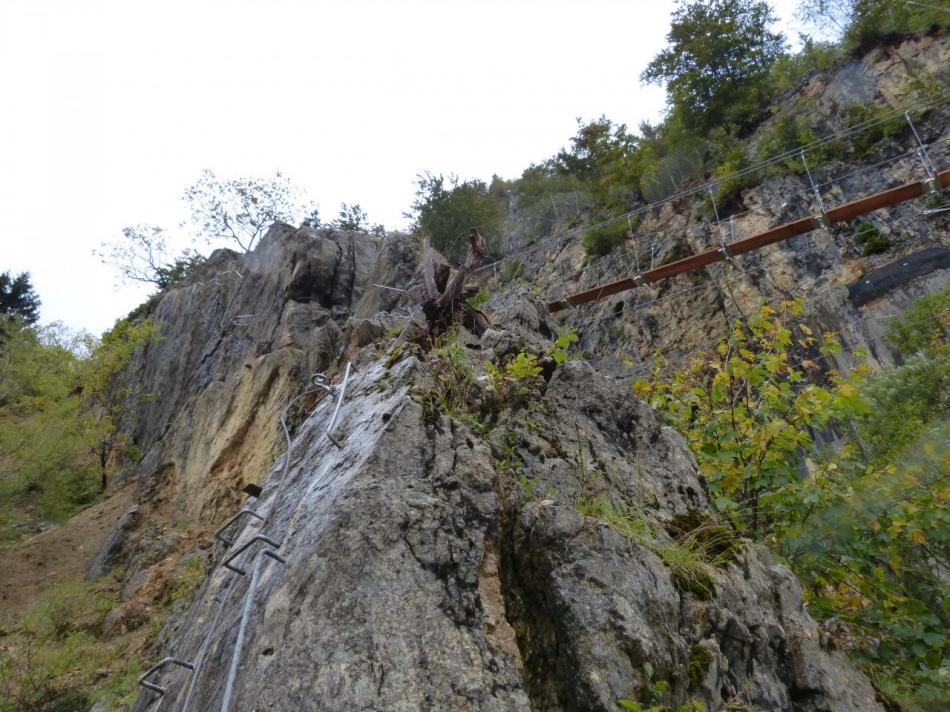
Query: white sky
x,y
110,109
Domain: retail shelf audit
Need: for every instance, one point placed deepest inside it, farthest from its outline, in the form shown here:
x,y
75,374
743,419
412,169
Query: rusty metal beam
x,y
848,211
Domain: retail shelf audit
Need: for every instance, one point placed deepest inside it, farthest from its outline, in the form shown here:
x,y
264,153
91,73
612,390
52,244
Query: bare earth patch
x,y
58,555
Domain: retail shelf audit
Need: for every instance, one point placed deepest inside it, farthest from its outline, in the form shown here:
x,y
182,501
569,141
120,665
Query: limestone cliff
x,y
409,574
412,576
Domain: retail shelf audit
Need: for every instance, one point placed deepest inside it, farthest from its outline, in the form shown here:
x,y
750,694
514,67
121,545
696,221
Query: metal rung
x,y
269,552
158,666
220,533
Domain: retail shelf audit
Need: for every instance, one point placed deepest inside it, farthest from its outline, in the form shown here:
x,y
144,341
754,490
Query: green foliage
x,y
866,22
18,299
603,240
729,155
786,133
865,527
52,658
110,392
717,63
902,402
63,399
924,326
478,300
790,69
561,346
446,214
747,409
878,127
45,433
143,256
869,237
457,391
603,158
353,218
698,664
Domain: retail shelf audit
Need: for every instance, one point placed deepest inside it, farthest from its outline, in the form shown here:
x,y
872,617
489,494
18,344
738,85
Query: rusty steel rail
x,y
848,211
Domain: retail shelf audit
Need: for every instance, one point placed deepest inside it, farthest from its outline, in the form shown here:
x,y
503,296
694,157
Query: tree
x,y
111,392
864,22
447,215
17,297
143,257
240,210
603,156
354,218
717,62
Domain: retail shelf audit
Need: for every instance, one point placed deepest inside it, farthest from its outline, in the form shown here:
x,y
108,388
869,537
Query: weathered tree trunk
x,y
444,303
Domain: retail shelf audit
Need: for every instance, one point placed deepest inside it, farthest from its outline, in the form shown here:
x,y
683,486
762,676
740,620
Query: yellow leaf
x,y
918,537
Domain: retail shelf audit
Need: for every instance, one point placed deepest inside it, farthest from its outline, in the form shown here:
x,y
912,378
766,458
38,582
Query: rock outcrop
x,y
432,562
412,580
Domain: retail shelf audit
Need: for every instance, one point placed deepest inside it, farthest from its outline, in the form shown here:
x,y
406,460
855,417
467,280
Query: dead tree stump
x,y
445,292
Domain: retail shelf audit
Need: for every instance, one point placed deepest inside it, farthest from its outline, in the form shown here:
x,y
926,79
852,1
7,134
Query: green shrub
x,y
864,141
924,326
698,665
604,240
869,238
478,300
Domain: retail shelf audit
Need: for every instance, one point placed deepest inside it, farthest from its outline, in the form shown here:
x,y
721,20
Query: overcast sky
x,y
110,109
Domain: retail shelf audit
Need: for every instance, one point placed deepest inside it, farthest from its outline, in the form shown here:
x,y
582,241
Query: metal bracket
x,y
930,183
158,666
220,533
247,545
724,249
821,218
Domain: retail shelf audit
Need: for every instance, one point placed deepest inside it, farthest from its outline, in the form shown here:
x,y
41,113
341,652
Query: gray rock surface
x,y
385,600
415,576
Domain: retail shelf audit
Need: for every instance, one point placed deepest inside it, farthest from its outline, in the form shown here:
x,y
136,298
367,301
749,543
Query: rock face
x,y
432,562
411,581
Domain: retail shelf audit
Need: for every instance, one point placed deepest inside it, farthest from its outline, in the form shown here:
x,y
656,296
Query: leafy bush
x,y
51,659
63,398
864,141
790,70
924,326
869,237
604,240
863,527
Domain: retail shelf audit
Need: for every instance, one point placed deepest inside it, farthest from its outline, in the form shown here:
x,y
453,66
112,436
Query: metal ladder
x,y
268,550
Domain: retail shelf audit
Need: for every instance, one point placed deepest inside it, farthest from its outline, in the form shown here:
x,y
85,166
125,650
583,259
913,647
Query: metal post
x,y
931,183
821,219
